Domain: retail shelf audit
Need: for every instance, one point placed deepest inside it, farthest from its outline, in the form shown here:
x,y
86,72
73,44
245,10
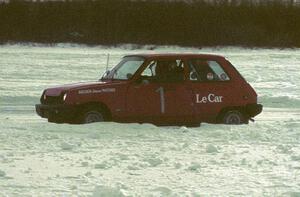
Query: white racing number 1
x,y
162,99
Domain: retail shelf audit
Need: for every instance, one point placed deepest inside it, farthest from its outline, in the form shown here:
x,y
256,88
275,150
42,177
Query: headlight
x,y
64,96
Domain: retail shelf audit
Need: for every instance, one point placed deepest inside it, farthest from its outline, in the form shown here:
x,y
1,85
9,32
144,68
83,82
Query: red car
x,y
163,89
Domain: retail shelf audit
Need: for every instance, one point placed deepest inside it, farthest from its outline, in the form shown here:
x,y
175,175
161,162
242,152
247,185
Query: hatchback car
x,y
163,89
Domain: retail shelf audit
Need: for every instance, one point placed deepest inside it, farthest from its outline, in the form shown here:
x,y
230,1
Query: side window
x,y
164,71
150,70
206,70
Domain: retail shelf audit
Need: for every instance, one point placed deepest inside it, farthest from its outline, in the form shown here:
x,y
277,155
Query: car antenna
x,y
107,62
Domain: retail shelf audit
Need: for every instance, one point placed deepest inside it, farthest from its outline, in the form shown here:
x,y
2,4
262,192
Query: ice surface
x,y
109,159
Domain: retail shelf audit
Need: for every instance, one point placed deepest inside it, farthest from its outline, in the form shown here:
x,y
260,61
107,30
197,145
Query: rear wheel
x,y
234,117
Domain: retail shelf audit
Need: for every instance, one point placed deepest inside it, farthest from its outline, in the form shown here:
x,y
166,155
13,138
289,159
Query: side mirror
x,y
105,74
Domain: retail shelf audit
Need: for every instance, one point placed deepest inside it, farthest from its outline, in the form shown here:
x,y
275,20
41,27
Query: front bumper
x,y
254,109
56,113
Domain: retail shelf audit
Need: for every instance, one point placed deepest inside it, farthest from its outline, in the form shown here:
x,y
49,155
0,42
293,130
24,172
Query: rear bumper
x,y
254,109
56,113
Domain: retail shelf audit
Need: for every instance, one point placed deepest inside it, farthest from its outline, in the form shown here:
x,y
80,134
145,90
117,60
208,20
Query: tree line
x,y
110,22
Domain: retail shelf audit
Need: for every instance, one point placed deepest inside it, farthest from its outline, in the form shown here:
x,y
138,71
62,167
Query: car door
x,y
159,95
210,86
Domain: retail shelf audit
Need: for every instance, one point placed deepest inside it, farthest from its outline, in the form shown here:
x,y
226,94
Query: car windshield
x,y
125,69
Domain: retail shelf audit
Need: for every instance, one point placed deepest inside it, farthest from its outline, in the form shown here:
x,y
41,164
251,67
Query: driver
x,y
175,72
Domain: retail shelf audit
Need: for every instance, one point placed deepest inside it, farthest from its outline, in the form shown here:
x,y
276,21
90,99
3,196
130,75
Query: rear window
x,y
206,70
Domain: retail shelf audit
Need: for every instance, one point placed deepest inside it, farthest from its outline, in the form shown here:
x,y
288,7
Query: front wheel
x,y
234,118
92,116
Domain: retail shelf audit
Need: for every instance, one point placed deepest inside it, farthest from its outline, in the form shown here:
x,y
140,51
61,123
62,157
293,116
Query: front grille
x,y
52,100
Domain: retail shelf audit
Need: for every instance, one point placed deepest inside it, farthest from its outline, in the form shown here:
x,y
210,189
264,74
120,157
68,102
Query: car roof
x,y
176,55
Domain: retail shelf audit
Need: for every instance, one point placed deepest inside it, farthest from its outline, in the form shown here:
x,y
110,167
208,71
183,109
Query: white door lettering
x,y
200,100
211,98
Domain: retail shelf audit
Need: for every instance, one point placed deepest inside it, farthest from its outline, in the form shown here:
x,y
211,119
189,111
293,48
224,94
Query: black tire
x,y
234,117
91,116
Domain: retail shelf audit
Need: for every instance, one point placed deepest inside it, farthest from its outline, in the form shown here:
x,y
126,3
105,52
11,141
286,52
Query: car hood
x,y
57,90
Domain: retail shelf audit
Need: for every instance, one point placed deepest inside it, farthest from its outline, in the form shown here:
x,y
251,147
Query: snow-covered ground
x,y
38,158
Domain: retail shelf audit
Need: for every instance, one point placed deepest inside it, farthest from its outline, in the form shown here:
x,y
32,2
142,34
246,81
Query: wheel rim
x,y
233,118
93,116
